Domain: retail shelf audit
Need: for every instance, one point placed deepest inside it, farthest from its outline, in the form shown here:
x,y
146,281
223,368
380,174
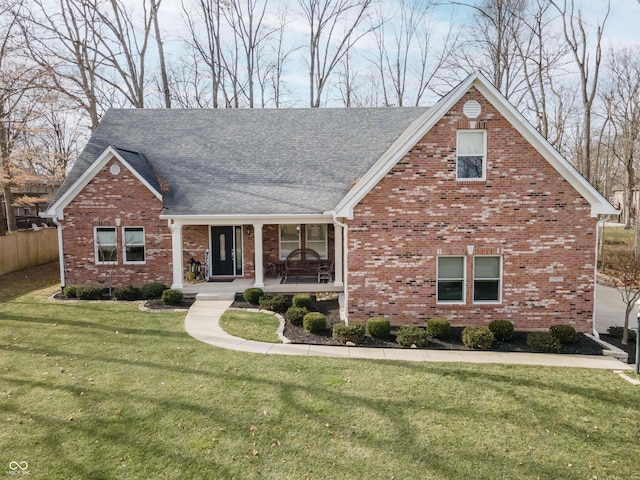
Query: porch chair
x,y
325,272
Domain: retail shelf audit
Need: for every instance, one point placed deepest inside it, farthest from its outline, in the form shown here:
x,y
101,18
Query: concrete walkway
x,y
201,323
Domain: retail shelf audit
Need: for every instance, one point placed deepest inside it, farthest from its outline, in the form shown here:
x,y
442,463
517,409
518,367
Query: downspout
x,y
345,268
595,274
60,252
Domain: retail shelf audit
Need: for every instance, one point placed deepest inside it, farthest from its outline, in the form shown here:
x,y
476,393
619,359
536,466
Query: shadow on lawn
x,y
16,284
120,329
290,383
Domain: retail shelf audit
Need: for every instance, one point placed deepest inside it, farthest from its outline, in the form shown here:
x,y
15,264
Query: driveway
x,y
610,309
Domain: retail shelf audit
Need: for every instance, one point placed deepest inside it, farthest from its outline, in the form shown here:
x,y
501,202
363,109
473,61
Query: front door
x,y
222,257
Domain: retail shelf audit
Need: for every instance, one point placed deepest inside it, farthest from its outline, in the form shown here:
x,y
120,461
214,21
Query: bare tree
x,y
492,45
327,46
623,267
208,49
622,99
406,59
64,38
542,56
20,81
576,38
270,73
246,21
124,50
54,138
155,5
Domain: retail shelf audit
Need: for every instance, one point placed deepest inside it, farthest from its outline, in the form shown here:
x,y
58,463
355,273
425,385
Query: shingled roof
x,y
249,162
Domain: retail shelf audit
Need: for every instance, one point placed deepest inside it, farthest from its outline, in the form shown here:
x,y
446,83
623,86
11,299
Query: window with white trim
x,y
134,249
471,151
289,240
487,279
316,239
451,279
106,245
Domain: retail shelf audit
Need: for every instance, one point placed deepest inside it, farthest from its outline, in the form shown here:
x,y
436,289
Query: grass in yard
x,y
618,236
257,326
103,391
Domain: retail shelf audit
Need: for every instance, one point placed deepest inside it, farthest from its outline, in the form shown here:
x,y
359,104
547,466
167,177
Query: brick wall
x,y
524,211
104,199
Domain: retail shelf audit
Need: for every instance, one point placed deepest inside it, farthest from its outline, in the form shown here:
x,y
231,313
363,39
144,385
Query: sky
x,y
622,29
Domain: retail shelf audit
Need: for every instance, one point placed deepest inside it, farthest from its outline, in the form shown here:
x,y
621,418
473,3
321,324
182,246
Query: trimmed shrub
x,y
543,342
70,292
379,327
302,300
153,290
615,331
89,293
275,303
295,315
348,333
253,295
480,338
565,334
502,330
126,293
438,328
408,336
172,297
314,322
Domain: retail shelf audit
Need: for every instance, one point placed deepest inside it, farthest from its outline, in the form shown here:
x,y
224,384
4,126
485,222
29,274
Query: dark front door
x,y
222,260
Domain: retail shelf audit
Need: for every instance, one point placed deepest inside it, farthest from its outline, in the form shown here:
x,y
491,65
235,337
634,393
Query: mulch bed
x,y
630,348
156,304
583,346
152,304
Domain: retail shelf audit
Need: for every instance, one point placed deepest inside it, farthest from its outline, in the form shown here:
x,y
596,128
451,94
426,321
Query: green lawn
x,y
257,326
100,390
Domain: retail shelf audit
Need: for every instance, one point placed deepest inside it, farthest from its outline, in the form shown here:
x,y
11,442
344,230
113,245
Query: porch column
x,y
176,251
338,264
257,264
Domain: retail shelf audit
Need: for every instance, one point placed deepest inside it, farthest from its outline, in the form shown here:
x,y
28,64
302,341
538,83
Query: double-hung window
x,y
289,240
487,279
316,239
106,245
451,279
133,245
471,151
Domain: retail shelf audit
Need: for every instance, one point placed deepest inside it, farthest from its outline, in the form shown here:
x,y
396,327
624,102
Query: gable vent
x,y
472,109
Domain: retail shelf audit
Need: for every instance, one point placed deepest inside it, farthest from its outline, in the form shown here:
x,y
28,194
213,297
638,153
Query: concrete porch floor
x,y
227,290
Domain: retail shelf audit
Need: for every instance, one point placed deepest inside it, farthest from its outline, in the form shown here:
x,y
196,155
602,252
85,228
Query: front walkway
x,y
202,318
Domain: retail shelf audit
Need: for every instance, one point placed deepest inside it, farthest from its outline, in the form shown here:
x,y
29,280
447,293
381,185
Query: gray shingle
x,y
297,161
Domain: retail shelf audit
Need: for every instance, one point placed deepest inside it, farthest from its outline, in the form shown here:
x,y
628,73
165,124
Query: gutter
x,y
599,223
55,219
345,269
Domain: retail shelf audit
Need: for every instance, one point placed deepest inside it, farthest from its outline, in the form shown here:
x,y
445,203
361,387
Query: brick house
x,y
461,210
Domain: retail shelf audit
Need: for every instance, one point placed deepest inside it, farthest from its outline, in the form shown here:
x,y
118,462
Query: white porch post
x,y
176,251
258,266
338,281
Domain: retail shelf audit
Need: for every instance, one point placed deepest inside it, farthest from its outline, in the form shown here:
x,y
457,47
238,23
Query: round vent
x,y
472,109
114,169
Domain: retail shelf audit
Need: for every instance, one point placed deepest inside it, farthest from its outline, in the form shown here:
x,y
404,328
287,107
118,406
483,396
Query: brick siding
x,y
524,211
104,199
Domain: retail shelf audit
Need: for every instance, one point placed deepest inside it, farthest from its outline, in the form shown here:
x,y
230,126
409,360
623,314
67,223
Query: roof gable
x,y
599,205
135,162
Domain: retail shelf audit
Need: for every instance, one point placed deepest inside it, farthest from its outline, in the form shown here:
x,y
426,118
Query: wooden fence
x,y
26,249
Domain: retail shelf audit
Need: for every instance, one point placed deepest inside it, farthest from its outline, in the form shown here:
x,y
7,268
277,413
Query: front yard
x,y
101,390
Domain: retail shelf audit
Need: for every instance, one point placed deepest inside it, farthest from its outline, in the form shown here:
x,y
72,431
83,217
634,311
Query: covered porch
x,y
227,290
235,253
